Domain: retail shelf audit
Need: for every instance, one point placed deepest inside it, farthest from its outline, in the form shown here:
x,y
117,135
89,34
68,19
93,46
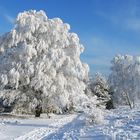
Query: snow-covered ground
x,y
120,124
32,128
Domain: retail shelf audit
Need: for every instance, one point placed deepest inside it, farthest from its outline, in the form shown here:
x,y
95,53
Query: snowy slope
x,y
119,124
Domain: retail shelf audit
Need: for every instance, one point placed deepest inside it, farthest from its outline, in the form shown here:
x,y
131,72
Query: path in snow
x,y
44,132
70,131
31,128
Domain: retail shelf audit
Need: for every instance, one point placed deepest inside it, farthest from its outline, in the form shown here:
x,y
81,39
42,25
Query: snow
x,y
31,128
121,123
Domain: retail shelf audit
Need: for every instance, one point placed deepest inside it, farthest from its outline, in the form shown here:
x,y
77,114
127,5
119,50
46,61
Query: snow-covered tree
x,y
40,64
99,87
125,79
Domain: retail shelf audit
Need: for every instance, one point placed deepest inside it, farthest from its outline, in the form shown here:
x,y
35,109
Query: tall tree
x,y
40,64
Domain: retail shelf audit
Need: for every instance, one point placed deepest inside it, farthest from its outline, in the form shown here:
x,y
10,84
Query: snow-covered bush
x,y
125,79
93,115
40,64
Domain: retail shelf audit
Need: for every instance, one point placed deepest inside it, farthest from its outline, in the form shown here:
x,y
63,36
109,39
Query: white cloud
x,y
104,49
111,46
100,61
9,18
133,24
127,18
4,14
104,46
108,16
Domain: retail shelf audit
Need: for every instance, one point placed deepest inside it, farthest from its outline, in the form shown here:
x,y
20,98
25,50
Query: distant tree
x,y
125,79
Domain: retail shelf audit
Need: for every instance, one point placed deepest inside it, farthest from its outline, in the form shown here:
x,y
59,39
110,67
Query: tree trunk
x,y
128,100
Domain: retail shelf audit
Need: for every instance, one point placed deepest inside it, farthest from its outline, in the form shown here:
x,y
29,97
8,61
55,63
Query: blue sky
x,y
105,27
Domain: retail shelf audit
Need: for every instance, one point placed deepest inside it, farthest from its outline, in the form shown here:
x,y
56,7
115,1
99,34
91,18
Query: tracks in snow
x,y
53,128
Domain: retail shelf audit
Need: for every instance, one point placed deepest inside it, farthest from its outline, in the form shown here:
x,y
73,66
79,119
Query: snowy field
x,y
120,124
